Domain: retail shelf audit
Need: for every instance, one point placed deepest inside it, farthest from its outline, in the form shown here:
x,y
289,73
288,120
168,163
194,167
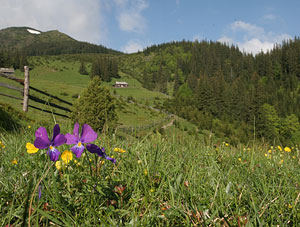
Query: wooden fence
x,y
26,96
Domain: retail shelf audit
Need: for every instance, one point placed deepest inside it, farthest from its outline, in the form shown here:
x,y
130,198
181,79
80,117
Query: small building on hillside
x,y
7,71
120,85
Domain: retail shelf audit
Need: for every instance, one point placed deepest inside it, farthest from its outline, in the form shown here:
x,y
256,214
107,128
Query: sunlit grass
x,y
167,181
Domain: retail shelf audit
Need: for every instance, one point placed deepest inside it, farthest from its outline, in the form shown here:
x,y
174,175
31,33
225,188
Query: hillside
x,y
35,42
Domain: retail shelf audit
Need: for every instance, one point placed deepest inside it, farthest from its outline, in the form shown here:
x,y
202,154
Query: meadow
x,y
159,180
172,177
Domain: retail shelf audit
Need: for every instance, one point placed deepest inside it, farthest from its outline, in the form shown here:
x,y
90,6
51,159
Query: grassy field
x,y
158,181
59,76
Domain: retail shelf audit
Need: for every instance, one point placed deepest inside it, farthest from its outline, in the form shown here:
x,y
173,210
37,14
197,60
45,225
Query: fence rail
x,y
26,96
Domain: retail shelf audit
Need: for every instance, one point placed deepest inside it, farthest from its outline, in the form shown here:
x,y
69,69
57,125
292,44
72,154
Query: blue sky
x,y
131,25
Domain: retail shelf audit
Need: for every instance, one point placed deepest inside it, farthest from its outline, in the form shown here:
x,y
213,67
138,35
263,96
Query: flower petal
x,y
56,131
41,143
60,139
53,154
77,150
110,159
88,134
42,133
71,139
76,130
93,148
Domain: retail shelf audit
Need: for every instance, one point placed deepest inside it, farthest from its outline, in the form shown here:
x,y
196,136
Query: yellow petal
x,y
31,149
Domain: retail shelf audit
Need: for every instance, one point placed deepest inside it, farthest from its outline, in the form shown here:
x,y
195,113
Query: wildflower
x,y
42,141
145,172
66,156
290,206
2,145
266,155
139,161
120,150
87,135
226,144
240,159
99,151
58,165
287,149
270,151
29,126
14,162
40,191
279,148
31,149
152,190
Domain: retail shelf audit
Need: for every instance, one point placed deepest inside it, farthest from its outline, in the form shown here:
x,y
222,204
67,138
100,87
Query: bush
x,y
96,107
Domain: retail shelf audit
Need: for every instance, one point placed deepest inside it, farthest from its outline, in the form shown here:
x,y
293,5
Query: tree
x,y
82,69
96,107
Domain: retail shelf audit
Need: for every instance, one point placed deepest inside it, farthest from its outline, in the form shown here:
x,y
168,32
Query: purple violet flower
x,y
42,141
40,191
99,151
87,135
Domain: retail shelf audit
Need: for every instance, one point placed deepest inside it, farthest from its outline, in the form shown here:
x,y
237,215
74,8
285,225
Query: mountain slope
x,y
35,42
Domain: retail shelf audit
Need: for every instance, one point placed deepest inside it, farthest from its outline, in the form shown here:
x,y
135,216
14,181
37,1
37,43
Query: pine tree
x,y
96,107
82,69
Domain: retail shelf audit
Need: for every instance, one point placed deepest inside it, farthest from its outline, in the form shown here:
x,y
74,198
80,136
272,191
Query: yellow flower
x,y
280,162
152,190
287,149
14,162
28,126
67,156
240,159
77,163
290,206
270,151
31,149
139,161
58,165
279,148
226,144
266,155
145,172
120,150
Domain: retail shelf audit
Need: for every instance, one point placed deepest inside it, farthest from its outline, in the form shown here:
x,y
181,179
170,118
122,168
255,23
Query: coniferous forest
x,y
233,94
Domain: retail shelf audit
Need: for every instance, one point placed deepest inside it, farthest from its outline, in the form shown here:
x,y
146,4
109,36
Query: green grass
x,y
167,181
59,76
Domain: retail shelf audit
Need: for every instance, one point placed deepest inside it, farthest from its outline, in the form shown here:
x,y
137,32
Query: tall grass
x,y
158,181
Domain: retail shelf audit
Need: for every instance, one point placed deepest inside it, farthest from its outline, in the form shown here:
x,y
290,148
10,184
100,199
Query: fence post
x,y
26,88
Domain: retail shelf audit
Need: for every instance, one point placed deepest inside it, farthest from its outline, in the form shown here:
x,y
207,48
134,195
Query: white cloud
x,y
130,16
133,46
269,17
251,38
81,21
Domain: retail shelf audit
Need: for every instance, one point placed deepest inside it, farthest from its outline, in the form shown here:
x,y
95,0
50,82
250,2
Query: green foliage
x,y
96,107
82,69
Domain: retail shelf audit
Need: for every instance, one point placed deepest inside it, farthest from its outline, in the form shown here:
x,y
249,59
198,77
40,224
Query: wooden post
x,y
26,88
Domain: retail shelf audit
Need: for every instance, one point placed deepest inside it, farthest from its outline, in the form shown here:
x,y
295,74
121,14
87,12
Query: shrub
x,y
96,107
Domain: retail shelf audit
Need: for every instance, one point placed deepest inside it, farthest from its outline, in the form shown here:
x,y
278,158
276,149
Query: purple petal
x,y
71,139
40,191
42,133
88,134
110,159
41,143
60,139
56,131
76,130
77,150
53,154
93,148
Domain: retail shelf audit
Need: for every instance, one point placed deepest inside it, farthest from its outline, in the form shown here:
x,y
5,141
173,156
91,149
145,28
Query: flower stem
x,y
35,189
